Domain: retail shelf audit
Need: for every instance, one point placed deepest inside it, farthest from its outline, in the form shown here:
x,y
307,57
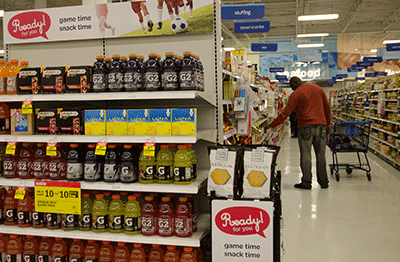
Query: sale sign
x,y
242,230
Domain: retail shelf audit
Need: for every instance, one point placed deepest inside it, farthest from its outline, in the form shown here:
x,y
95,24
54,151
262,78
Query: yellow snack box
x,y
184,122
138,122
160,122
95,122
117,122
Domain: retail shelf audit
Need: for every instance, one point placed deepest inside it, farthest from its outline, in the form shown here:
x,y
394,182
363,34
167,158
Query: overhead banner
x,y
393,47
127,19
236,12
249,27
264,47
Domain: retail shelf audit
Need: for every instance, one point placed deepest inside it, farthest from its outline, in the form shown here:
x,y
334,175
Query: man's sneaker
x,y
159,26
324,185
302,186
150,25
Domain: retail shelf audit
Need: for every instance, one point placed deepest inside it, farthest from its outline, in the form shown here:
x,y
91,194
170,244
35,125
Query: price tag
x,y
51,149
58,197
27,107
101,148
10,149
149,149
20,192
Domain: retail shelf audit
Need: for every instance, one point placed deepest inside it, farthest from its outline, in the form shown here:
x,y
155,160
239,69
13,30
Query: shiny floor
x,y
353,220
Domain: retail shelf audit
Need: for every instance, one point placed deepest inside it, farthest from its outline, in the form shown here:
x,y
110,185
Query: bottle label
x,y
127,173
24,218
39,168
99,82
74,171
9,168
85,221
3,256
99,222
152,80
115,80
116,222
80,259
30,258
186,80
182,174
14,258
38,219
129,80
44,258
57,170
3,82
11,215
70,221
91,260
165,225
164,173
11,84
53,220
137,80
133,224
111,172
24,168
193,171
194,222
148,225
147,172
92,171
170,80
183,226
61,259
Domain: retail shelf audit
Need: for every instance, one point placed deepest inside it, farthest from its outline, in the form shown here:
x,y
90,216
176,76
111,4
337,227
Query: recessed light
x,y
374,50
391,41
310,45
313,35
318,17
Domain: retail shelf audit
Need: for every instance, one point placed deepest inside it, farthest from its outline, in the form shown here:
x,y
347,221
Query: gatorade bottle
x,y
92,251
3,78
186,75
193,208
173,149
165,218
74,163
69,221
114,77
193,168
139,198
3,193
10,164
99,214
129,172
170,80
2,153
152,79
188,255
131,70
3,244
25,162
183,219
182,166
53,221
76,251
132,217
171,255
59,251
116,215
147,168
40,163
124,61
13,69
24,209
106,252
121,253
124,197
198,254
155,254
200,77
107,61
14,249
38,218
107,197
58,165
138,76
85,218
93,167
10,209
165,162
111,164
149,212
45,246
31,249
99,75
138,254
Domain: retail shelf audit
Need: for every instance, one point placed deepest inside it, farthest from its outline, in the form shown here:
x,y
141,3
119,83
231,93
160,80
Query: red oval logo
x,y
29,25
243,221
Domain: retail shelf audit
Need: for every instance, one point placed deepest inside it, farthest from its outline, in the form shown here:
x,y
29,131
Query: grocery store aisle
x,y
353,220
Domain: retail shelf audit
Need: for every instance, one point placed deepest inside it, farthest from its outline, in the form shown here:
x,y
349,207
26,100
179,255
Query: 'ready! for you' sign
x,y
242,230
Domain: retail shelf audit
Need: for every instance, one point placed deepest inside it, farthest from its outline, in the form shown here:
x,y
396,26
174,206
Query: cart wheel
x,y
369,176
337,176
349,170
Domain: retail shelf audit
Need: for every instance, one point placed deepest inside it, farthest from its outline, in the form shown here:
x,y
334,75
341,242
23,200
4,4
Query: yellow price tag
x,y
27,107
149,149
101,149
20,192
10,149
51,149
58,197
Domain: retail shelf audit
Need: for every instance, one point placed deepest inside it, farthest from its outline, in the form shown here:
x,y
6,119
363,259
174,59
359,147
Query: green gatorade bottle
x,y
182,166
165,162
99,214
193,169
132,217
147,169
116,215
85,218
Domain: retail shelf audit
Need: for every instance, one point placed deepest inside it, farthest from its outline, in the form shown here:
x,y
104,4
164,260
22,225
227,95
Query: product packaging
x,y
28,81
52,80
138,122
184,122
117,122
69,121
160,122
46,121
95,122
78,78
21,124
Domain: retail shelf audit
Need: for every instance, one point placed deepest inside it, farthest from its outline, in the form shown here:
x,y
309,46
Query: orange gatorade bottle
x,y
13,69
188,255
59,251
121,253
76,251
171,255
156,253
3,78
3,244
31,249
106,252
45,246
138,254
14,249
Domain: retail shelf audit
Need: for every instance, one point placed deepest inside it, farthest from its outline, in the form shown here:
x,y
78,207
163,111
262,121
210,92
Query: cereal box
x,y
95,122
184,122
160,122
117,122
138,122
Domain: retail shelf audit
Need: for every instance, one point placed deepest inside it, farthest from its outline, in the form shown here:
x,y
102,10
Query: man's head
x,y
295,82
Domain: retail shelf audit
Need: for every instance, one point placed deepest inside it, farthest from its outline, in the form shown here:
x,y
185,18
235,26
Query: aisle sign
x,y
360,78
58,197
276,69
374,59
281,78
264,47
242,230
369,74
393,47
10,148
261,26
357,68
364,64
27,108
236,12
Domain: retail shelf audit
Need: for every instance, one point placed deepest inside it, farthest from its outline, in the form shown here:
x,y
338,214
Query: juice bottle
x,y
188,255
149,213
186,75
58,165
116,215
25,161
132,217
53,220
76,251
170,80
183,219
69,221
193,168
132,70
152,79
93,167
99,75
45,246
193,208
14,249
111,166
13,69
114,77
165,218
10,163
59,250
3,77
3,193
129,172
10,209
38,218
147,168
40,163
138,254
171,255
74,163
31,249
182,166
99,214
155,254
3,244
106,252
91,251
24,209
121,253
85,218
165,162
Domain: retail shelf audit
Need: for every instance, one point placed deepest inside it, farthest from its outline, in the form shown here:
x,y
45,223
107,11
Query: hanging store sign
x,y
357,68
264,47
331,82
369,74
312,55
248,27
276,69
360,78
236,12
364,64
281,78
373,59
380,73
393,47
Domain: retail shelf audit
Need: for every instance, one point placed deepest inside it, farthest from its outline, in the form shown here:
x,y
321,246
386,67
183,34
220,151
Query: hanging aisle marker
x,y
20,192
101,149
149,149
51,149
10,149
27,108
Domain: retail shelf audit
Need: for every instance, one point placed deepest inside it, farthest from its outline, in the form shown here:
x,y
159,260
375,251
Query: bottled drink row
x,y
165,216
126,164
15,248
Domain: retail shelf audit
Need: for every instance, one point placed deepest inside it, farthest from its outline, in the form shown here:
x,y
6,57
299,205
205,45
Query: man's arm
x,y
327,113
291,105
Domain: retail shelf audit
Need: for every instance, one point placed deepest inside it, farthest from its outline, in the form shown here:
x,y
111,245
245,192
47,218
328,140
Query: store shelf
x,y
391,100
385,157
383,141
383,120
356,117
193,241
391,110
339,118
384,131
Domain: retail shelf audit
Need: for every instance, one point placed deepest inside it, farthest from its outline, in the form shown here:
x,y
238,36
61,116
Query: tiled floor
x,y
353,220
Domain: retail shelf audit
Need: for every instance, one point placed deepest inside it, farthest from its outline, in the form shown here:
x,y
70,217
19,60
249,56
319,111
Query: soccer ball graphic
x,y
179,25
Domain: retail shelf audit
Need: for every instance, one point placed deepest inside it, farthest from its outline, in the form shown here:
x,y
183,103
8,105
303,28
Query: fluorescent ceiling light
x,y
318,17
222,39
229,48
248,61
313,35
1,13
391,41
1,51
374,50
310,45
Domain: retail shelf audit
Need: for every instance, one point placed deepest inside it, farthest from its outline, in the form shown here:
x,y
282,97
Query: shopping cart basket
x,y
348,137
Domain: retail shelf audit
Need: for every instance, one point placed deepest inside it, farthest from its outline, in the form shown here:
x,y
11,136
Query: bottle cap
x,y
189,145
116,197
91,145
171,247
106,242
121,244
25,144
131,197
127,146
187,53
112,145
137,244
1,61
148,198
155,245
10,191
99,196
116,56
100,57
164,146
166,199
9,63
107,59
182,146
24,63
169,54
124,58
141,57
13,236
73,145
91,241
58,238
85,195
132,55
187,249
183,199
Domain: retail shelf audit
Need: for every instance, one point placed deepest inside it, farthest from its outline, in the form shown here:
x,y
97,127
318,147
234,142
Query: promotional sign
x,y
264,47
247,27
276,69
255,11
58,197
373,59
312,55
242,230
393,47
104,21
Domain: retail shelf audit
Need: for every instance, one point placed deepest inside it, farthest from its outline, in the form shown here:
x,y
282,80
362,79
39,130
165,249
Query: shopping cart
x,y
348,137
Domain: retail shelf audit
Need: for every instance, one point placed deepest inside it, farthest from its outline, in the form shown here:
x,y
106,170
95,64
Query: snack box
x,y
138,122
184,122
21,124
69,121
117,122
95,122
160,122
77,79
52,80
46,121
28,81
